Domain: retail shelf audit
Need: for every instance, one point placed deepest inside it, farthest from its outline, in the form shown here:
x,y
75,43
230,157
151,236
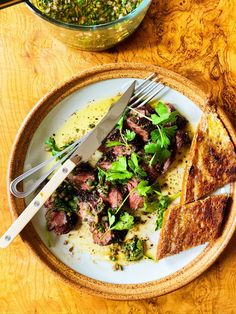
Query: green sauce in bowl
x,y
87,12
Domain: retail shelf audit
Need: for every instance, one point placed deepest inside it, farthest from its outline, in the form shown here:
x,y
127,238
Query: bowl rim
x,y
132,14
31,238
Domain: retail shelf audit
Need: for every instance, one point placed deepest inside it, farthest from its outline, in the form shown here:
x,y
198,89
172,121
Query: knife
x,y
82,154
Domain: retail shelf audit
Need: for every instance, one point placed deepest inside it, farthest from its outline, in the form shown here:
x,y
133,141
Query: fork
x,y
143,93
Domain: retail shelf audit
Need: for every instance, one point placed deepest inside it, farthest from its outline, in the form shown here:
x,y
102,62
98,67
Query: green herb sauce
x,y
87,12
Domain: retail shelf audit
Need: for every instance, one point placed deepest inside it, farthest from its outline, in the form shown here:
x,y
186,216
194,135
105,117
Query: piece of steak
x,y
181,139
102,235
82,180
90,209
135,201
60,221
139,124
113,197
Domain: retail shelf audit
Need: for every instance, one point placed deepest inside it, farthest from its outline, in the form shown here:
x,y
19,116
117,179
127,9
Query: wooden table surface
x,y
197,39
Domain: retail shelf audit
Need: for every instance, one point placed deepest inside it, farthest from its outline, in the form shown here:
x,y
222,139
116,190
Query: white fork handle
x,y
36,203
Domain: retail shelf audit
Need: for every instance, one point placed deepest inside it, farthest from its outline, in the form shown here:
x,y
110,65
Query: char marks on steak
x,y
60,222
139,124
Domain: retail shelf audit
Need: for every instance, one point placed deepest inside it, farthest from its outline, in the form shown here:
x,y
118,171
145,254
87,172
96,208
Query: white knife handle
x,y
36,203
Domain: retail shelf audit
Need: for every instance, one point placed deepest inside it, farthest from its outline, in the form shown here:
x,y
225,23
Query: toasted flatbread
x,y
212,158
186,226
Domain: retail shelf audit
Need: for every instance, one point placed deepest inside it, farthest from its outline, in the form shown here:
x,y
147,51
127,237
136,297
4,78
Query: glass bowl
x,y
95,37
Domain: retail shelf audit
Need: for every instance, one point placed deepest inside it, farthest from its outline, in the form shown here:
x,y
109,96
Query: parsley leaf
x,y
120,124
163,115
129,135
151,148
143,188
159,154
118,170
53,148
163,202
125,222
133,163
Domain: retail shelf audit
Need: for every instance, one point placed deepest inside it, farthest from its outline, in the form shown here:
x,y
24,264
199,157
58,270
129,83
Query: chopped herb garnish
x,y
129,135
133,163
118,170
125,222
133,249
143,188
53,148
163,202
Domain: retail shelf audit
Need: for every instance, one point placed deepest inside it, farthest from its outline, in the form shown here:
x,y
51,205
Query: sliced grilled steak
x,y
167,164
105,165
122,150
49,204
140,125
113,197
138,129
90,209
135,201
83,180
102,235
60,222
181,139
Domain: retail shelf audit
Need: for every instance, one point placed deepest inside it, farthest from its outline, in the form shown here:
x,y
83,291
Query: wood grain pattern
x,y
194,38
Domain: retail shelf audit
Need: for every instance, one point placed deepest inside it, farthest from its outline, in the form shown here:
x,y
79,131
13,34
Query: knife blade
x,y
100,132
83,153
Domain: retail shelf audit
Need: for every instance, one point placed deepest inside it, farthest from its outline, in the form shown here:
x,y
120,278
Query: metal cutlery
x,y
143,93
79,151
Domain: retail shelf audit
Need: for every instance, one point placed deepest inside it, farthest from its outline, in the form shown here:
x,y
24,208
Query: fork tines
x,y
146,91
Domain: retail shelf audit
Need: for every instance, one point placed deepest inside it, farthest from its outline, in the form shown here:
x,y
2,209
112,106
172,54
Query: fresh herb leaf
x,y
119,165
101,176
111,218
114,143
161,109
129,135
163,155
151,148
120,124
170,131
143,188
133,163
118,170
163,115
125,222
52,146
150,206
113,176
163,202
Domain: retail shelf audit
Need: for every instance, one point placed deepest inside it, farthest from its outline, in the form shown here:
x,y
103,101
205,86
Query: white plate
x,y
82,261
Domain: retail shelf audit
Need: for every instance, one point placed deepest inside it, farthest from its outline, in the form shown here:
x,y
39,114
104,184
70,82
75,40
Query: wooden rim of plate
x,y
31,238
